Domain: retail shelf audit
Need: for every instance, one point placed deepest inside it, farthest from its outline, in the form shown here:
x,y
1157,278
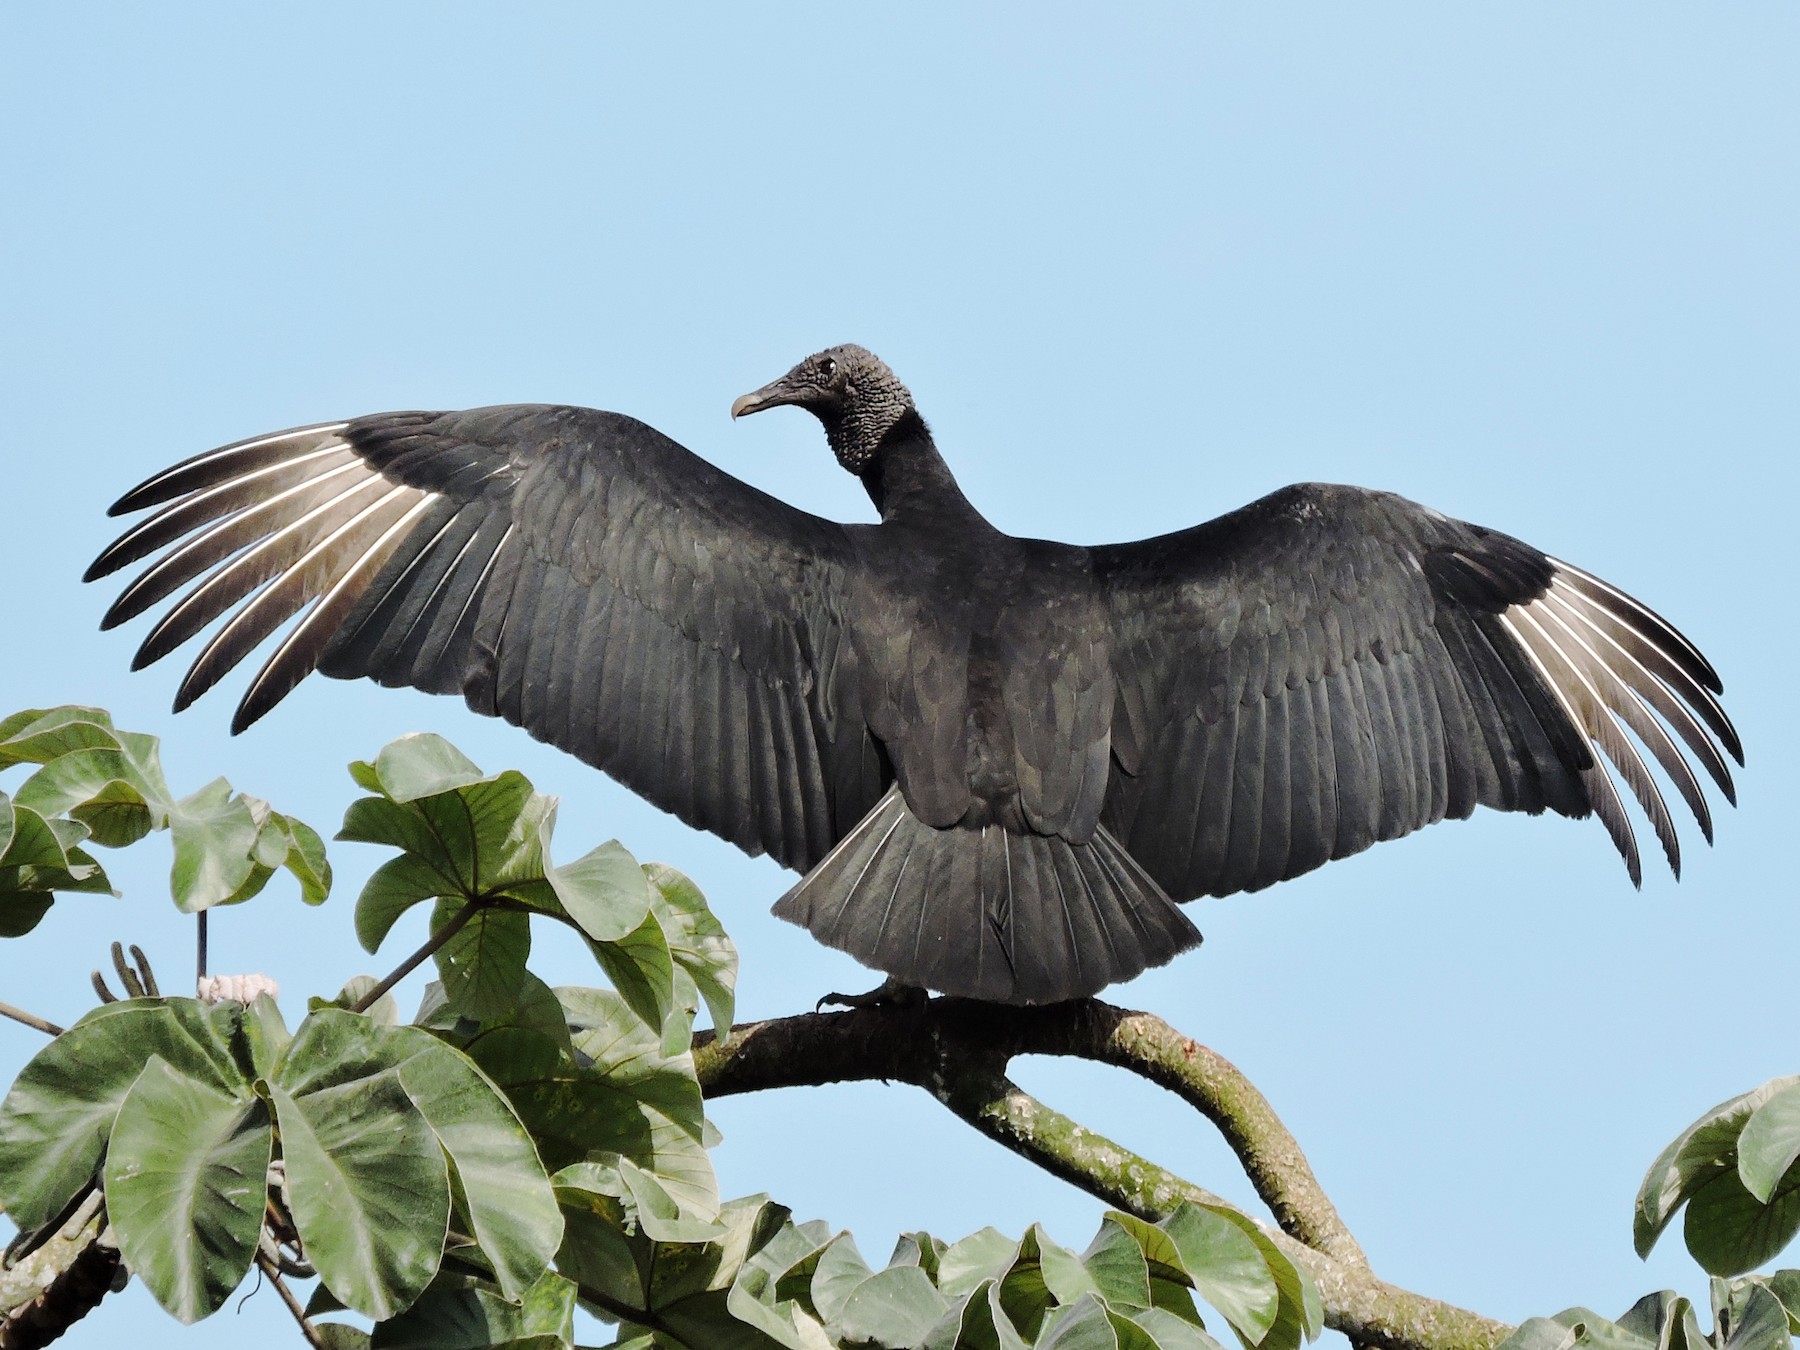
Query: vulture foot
x,y
890,993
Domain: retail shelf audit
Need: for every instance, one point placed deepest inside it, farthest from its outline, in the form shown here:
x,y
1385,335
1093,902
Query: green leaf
x,y
485,838
1706,1147
384,1011
604,891
186,1185
341,1336
978,1322
367,1179
1089,1324
1024,1295
980,1256
1760,1323
1770,1143
483,966
1169,1332
600,1256
1064,1275
1544,1333
56,1119
896,1307
21,911
637,1101
126,805
1728,1230
213,833
422,765
395,887
771,1290
644,1202
839,1273
1300,1314
507,1196
307,861
504,1191
642,971
265,1036
697,942
283,841
1227,1268
1785,1285
39,735
1117,1267
368,1189
689,1285
1664,1320
474,1319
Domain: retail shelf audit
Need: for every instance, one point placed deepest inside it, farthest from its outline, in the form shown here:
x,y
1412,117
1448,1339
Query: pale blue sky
x,y
1533,264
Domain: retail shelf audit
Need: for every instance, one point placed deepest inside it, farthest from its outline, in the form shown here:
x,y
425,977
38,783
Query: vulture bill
x,y
996,762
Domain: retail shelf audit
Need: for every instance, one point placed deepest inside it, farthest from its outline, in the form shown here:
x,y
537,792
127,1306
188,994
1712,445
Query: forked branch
x,y
958,1051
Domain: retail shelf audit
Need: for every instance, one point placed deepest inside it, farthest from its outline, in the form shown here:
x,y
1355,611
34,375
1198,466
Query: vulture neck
x,y
908,480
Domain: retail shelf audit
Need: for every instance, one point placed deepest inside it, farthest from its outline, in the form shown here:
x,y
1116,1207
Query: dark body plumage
x,y
996,760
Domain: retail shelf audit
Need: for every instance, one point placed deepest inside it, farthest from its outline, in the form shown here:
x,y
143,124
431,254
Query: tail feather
x,y
982,912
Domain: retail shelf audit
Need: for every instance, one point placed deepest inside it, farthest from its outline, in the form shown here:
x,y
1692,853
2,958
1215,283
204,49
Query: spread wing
x,y
573,571
1331,666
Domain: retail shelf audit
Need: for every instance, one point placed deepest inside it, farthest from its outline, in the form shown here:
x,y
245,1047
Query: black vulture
x,y
996,762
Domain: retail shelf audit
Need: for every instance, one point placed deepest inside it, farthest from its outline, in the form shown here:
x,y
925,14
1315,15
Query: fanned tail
x,y
981,912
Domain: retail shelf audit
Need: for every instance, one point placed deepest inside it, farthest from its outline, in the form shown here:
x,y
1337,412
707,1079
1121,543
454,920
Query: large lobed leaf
x,y
186,1184
381,1118
55,1122
1735,1171
96,782
469,840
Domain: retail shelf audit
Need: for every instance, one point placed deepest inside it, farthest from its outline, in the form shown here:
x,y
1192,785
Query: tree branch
x,y
958,1051
60,1282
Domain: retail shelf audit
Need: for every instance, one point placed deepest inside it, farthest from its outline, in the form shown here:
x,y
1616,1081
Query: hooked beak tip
x,y
744,404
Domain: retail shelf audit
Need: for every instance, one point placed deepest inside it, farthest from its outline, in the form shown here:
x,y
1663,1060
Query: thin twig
x,y
30,1019
406,967
199,948
307,1329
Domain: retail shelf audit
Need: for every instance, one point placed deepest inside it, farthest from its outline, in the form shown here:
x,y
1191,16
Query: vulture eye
x,y
829,366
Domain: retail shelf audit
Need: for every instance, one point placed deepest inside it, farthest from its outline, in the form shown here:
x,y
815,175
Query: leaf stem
x,y
30,1019
462,916
199,947
307,1329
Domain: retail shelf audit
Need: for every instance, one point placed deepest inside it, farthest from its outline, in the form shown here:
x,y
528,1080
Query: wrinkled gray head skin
x,y
849,389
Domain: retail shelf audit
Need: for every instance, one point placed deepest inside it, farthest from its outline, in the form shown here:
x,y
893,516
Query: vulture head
x,y
850,390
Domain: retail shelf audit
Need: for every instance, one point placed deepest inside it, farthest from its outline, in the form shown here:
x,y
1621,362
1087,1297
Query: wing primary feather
x,y
1616,600
203,470
287,592
1657,658
206,505
1602,795
273,519
1603,727
299,652
232,580
1630,705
